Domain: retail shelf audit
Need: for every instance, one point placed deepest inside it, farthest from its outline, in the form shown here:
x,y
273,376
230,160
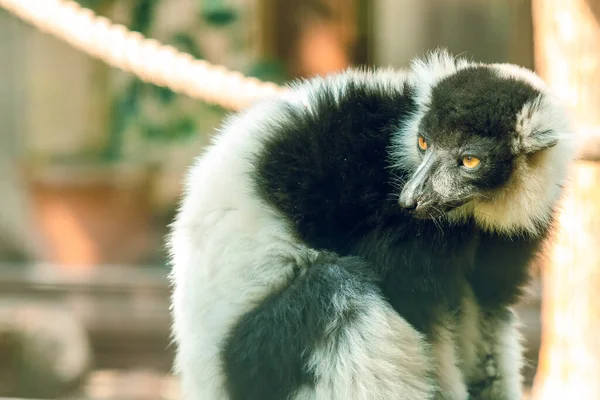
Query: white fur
x,y
448,373
469,337
404,153
385,79
509,362
513,71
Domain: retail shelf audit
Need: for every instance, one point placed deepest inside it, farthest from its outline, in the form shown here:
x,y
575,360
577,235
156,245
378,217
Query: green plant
x,y
128,107
153,115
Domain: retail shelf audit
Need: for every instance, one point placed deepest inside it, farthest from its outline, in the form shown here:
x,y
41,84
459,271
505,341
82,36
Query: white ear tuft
x,y
432,68
541,124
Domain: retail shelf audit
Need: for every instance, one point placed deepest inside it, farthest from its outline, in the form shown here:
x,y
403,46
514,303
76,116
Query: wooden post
x,y
567,56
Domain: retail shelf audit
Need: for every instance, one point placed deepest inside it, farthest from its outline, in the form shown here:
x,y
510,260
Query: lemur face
x,y
476,129
454,170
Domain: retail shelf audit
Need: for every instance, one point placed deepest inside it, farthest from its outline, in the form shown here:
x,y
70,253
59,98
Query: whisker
x,y
460,54
396,185
438,225
392,196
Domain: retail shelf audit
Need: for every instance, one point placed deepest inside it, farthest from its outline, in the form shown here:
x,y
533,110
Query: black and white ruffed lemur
x,y
365,234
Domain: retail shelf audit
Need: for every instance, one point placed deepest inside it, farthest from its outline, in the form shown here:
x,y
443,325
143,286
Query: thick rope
x,y
148,59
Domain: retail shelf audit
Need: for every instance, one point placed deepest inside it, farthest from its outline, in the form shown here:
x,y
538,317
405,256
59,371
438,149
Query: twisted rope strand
x,y
148,59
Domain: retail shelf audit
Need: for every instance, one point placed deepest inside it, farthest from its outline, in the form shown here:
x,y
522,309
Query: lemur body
x,y
337,242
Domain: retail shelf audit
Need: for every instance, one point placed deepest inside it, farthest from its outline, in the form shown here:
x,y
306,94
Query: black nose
x,y
408,204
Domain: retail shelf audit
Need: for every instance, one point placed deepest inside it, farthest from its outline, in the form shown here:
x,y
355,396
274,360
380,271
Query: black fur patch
x,y
266,353
327,170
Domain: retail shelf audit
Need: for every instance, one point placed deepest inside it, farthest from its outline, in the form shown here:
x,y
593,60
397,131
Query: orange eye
x,y
470,162
422,143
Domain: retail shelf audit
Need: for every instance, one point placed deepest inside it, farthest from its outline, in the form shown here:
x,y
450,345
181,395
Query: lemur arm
x,y
501,270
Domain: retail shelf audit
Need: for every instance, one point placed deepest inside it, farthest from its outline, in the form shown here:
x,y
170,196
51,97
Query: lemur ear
x,y
537,127
536,141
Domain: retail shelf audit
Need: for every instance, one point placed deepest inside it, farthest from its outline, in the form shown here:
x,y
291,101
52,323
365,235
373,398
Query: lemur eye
x,y
470,162
422,143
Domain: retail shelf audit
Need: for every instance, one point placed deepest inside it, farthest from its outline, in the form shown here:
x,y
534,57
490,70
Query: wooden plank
x,y
125,310
567,39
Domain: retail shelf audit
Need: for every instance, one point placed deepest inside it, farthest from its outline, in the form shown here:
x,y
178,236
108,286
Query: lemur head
x,y
487,141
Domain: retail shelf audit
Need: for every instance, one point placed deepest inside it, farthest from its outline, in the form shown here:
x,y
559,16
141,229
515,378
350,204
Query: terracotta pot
x,y
88,215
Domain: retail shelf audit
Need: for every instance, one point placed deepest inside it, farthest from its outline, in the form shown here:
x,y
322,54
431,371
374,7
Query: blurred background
x,y
92,159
